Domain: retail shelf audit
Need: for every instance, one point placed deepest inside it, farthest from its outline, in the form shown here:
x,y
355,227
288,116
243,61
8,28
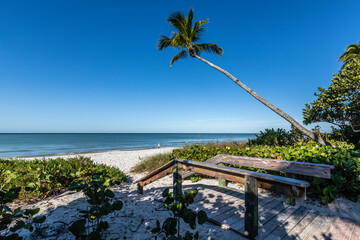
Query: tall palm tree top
x,y
351,52
187,37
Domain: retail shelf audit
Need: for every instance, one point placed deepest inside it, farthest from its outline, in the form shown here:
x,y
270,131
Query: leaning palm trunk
x,y
269,105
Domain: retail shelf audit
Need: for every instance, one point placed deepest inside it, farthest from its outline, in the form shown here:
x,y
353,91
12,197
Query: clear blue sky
x,y
93,66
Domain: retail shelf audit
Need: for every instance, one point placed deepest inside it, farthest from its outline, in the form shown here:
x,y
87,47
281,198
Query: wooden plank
x,y
155,172
313,227
322,228
251,207
237,216
239,225
213,160
227,211
240,172
269,215
177,189
301,168
275,222
290,200
210,194
293,233
290,223
236,175
219,207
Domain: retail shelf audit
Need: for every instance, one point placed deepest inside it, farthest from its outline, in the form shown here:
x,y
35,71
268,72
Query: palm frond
x,y
178,41
197,30
178,21
180,55
208,47
164,42
189,21
352,51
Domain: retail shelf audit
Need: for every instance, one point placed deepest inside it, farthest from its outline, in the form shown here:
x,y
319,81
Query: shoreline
x,y
123,160
52,155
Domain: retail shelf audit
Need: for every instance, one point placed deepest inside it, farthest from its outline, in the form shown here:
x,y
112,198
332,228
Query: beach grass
x,y
151,163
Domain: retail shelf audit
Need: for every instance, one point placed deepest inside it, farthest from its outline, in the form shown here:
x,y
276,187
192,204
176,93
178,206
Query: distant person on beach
x,y
158,145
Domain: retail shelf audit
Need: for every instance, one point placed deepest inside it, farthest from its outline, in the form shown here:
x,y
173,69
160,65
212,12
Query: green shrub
x,y
50,176
179,206
95,186
278,137
12,220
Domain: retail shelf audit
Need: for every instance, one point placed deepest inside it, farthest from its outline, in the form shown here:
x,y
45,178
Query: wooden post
x,y
222,182
251,207
177,180
140,187
290,200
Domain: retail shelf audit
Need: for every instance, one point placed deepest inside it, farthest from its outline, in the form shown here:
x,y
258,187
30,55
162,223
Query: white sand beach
x,y
140,212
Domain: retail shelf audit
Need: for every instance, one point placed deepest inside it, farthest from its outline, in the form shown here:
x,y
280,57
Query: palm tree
x,y
187,38
351,52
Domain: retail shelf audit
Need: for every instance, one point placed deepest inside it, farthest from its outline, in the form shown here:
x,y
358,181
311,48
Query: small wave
x,y
16,151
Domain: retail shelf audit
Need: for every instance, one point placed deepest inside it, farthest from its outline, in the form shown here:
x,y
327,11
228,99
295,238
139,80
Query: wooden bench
x,y
292,188
290,168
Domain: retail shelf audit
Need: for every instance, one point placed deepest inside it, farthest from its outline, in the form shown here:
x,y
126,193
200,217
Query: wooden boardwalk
x,y
225,207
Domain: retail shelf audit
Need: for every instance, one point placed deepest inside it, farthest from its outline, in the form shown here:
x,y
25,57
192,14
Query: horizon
x,y
93,67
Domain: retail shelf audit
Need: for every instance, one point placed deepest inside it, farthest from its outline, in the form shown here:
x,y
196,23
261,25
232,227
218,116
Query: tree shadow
x,y
225,208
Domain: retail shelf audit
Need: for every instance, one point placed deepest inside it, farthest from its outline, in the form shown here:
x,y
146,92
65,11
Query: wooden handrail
x,y
288,186
300,168
188,164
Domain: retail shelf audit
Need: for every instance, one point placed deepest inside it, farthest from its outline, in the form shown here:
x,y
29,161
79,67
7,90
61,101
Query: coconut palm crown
x,y
351,52
187,37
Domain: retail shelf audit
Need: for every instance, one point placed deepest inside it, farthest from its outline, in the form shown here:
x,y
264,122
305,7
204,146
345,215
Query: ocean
x,y
43,144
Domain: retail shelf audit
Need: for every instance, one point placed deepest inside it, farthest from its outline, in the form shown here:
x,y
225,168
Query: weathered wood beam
x,y
177,182
225,172
251,207
213,160
272,185
290,200
301,168
155,175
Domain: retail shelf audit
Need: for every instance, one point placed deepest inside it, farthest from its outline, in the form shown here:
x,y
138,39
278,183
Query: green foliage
x,y
95,185
12,220
195,178
50,176
339,104
352,52
278,137
180,210
186,37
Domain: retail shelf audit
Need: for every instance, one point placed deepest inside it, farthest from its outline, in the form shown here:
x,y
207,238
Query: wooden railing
x,y
292,188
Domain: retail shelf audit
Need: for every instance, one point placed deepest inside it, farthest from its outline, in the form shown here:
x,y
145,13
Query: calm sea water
x,y
15,145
